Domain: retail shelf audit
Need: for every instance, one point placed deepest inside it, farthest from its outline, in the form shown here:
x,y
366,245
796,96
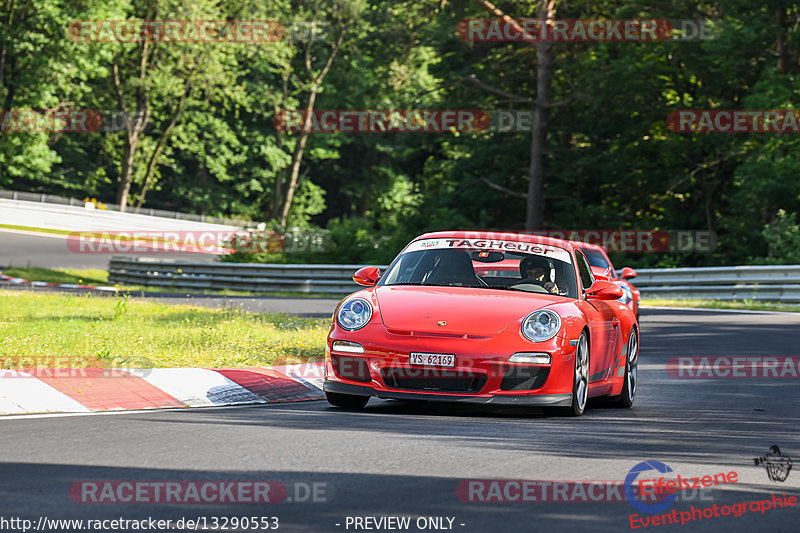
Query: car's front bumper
x,y
548,400
482,371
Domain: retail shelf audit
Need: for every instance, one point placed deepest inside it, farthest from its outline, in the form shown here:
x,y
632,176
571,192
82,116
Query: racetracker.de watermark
x,y
207,492
634,241
210,242
584,30
733,367
66,120
66,366
527,490
480,121
383,121
404,120
734,121
195,31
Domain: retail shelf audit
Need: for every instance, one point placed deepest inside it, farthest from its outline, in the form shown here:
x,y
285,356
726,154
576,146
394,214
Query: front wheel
x,y
625,400
580,385
346,401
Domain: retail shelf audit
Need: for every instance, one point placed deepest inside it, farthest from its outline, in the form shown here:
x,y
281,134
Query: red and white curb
x,y
20,281
81,390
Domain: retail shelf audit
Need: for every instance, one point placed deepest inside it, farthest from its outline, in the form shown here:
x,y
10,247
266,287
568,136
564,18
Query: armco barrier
x,y
766,283
779,283
256,277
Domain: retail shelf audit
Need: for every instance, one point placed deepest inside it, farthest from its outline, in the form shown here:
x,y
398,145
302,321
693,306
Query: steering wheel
x,y
537,283
531,287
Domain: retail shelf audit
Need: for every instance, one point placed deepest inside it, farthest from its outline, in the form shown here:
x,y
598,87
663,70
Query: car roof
x,y
483,235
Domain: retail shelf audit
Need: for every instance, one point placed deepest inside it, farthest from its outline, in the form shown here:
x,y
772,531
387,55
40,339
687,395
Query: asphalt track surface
x,y
23,248
406,459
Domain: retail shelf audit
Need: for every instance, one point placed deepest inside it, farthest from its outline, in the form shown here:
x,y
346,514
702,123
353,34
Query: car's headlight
x,y
627,295
354,314
541,325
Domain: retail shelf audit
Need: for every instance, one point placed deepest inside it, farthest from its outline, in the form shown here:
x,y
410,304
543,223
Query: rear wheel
x,y
580,382
346,401
625,399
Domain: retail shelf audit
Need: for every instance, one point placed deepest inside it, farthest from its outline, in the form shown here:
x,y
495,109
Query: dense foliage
x,y
209,144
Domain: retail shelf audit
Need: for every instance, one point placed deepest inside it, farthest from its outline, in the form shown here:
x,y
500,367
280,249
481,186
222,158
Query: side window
x,y
583,269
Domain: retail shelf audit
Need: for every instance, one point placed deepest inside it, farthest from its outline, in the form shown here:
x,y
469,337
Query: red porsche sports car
x,y
603,269
450,320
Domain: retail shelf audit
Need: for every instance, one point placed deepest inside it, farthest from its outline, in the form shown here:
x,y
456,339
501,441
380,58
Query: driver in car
x,y
535,269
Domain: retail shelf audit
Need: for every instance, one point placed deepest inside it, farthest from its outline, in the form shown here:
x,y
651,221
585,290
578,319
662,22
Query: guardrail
x,y
779,283
255,277
765,283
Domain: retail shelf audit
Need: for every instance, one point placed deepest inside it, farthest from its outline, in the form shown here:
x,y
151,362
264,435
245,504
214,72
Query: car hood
x,y
464,311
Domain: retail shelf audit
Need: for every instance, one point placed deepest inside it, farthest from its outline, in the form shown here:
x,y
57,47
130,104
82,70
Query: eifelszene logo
x,y
659,488
630,493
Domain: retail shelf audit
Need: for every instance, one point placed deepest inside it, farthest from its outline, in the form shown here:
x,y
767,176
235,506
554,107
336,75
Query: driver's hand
x,y
551,287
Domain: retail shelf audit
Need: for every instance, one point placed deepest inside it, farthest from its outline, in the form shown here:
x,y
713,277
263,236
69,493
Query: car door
x,y
603,326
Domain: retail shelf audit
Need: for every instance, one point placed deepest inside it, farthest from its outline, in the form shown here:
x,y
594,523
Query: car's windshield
x,y
486,264
595,258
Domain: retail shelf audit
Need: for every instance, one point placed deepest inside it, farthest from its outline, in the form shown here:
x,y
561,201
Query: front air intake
x,y
352,368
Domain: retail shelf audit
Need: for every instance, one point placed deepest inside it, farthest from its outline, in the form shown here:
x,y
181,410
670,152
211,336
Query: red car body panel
x,y
482,328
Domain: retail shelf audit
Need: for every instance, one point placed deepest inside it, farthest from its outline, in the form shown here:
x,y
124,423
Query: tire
x,y
346,401
631,377
580,382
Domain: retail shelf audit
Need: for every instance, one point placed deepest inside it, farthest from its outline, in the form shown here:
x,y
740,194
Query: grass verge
x,y
48,330
60,275
751,305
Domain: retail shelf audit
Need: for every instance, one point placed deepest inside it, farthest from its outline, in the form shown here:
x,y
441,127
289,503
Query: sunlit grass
x,y
55,330
60,275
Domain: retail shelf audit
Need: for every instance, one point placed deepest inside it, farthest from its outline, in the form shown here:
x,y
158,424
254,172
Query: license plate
x,y
447,360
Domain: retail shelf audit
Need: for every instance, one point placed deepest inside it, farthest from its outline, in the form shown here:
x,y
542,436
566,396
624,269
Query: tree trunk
x,y
134,128
542,104
541,108
277,193
780,40
297,158
151,165
124,188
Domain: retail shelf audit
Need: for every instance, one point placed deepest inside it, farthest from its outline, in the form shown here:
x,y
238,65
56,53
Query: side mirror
x,y
604,290
605,275
367,276
600,273
628,273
